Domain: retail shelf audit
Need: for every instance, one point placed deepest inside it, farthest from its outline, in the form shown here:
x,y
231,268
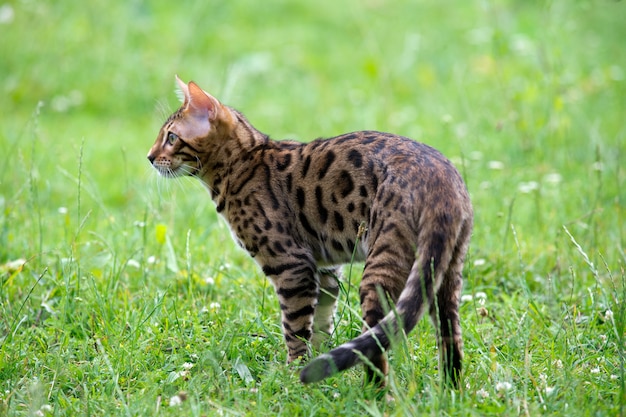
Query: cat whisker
x,y
179,181
162,109
182,173
163,184
148,173
151,175
198,166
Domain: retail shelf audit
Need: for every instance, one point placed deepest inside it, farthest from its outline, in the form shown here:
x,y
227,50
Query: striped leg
x,y
325,309
386,271
445,317
445,314
297,290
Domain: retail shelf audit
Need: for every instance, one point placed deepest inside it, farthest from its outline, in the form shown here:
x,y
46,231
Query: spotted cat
x,y
303,209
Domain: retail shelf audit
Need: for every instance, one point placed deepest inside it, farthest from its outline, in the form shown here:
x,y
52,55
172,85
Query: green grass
x,y
132,291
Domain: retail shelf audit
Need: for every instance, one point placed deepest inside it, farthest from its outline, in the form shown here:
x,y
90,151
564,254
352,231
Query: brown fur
x,y
302,210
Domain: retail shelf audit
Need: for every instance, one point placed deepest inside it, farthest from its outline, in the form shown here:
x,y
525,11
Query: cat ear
x,y
201,108
183,91
201,104
197,102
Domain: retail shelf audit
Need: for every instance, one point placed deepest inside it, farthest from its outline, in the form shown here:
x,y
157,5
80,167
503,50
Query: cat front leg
x,y
298,291
325,310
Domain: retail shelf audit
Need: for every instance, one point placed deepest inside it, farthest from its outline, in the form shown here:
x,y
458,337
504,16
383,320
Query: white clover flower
x,y
7,14
480,262
495,165
214,306
482,393
595,370
481,297
133,263
61,103
62,210
549,390
466,298
178,399
44,410
521,44
503,386
151,259
209,281
528,187
188,365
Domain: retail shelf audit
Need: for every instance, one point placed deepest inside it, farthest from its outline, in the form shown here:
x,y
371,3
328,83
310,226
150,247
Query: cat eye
x,y
171,138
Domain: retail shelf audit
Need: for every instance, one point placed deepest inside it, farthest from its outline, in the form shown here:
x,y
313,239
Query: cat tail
x,y
417,296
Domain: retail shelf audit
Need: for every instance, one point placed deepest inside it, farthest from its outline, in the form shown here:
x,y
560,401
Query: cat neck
x,y
239,147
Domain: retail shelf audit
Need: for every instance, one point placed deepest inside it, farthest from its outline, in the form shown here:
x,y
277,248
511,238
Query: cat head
x,y
188,133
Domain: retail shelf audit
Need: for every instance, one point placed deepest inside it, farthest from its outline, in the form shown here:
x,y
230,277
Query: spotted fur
x,y
302,210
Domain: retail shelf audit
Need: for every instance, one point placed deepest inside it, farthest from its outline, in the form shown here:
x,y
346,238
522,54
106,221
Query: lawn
x,y
122,293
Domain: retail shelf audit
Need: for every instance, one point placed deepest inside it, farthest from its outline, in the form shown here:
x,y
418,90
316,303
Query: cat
x,y
302,210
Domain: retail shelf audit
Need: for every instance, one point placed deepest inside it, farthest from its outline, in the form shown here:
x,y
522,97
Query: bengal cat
x,y
303,209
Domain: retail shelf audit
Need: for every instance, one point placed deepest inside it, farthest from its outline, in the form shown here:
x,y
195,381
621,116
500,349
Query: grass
x,y
124,295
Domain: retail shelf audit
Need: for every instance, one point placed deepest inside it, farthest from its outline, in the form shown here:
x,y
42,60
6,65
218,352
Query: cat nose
x,y
151,158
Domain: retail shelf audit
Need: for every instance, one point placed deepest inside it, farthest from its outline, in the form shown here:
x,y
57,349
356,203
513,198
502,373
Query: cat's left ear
x,y
183,91
200,104
197,102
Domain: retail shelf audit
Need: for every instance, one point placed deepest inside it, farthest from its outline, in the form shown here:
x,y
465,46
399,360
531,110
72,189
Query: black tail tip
x,y
318,369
